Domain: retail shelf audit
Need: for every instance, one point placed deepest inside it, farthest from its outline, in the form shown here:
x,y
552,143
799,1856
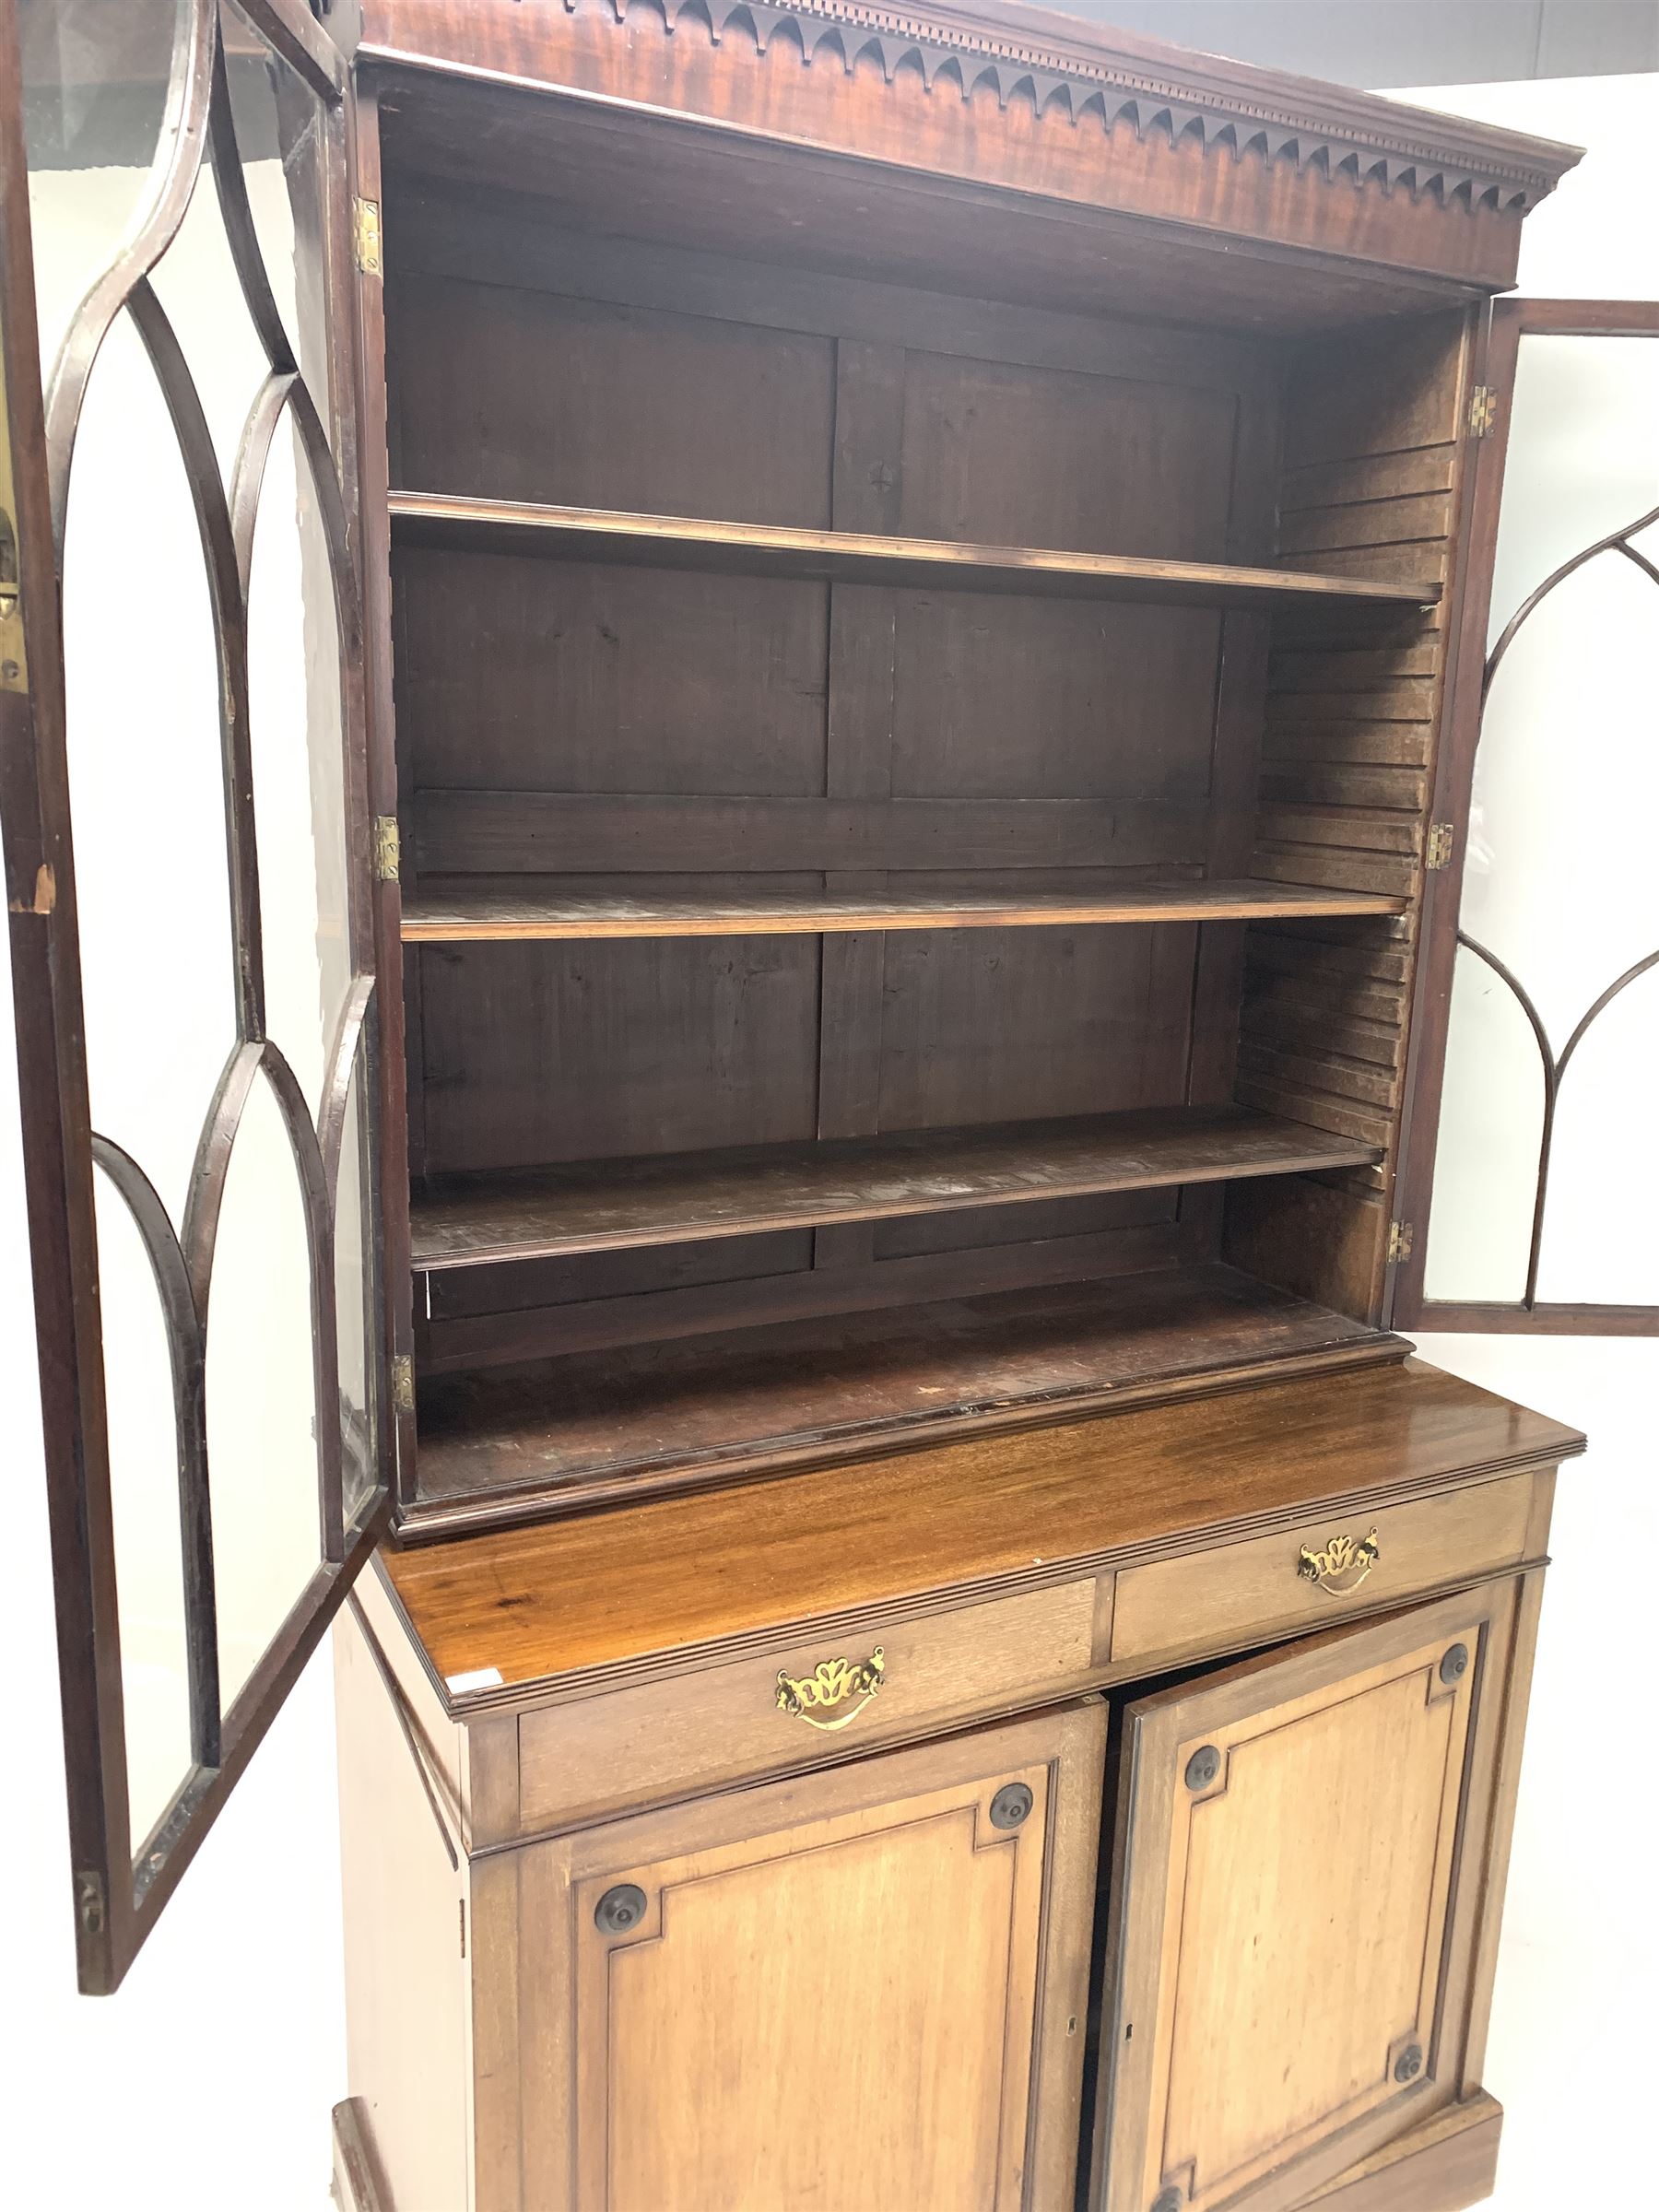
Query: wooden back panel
x,y
622,727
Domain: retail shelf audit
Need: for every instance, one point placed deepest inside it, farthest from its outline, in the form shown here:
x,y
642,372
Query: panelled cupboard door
x,y
863,1989
183,791
1296,1899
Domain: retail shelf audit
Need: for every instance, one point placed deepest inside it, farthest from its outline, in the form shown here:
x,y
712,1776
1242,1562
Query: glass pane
x,y
1558,883
1601,1234
196,282
95,83
1582,458
144,1482
1557,880
261,1410
1485,1167
280,137
295,728
145,790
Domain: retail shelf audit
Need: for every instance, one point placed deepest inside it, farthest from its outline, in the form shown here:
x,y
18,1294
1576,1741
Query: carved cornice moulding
x,y
1069,70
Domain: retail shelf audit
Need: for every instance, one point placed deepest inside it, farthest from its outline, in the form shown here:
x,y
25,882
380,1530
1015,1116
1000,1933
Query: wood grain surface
x,y
914,1941
1238,1590
1317,1798
455,916
1176,216
856,556
566,1597
857,1949
565,1432
594,1206
1443,2164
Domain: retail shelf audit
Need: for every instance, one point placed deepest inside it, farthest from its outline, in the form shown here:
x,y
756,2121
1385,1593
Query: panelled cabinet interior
x,y
860,745
895,579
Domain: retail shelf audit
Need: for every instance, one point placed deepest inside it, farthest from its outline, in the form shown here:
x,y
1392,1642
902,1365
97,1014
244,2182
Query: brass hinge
x,y
89,1903
1399,1240
1437,852
387,848
462,1903
368,231
403,1383
1482,411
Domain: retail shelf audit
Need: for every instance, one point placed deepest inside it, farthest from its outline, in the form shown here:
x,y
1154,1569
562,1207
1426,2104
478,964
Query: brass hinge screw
x,y
403,1383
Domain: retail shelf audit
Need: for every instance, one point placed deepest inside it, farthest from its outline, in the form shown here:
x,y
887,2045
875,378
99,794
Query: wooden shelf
x,y
452,917
558,1434
684,541
597,1206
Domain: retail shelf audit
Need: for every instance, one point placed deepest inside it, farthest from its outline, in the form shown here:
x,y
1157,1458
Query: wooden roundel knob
x,y
620,1908
1010,1804
1203,1767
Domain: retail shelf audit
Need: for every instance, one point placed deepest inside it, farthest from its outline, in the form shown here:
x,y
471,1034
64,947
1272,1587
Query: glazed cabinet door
x,y
184,794
861,1989
1305,1846
1534,1038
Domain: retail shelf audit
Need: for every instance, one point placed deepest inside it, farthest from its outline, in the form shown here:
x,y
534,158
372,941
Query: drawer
x,y
693,1732
1233,1593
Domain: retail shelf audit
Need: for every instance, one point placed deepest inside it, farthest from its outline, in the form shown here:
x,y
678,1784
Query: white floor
x,y
1574,2050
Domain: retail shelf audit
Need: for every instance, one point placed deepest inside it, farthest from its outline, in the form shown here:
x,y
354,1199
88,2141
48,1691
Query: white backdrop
x,y
1574,2023
207,2082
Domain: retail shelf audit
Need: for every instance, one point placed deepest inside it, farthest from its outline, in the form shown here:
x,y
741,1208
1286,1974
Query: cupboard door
x,y
863,1988
1295,1894
183,779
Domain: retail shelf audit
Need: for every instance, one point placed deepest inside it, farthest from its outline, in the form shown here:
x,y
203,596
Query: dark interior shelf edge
x,y
603,533
454,917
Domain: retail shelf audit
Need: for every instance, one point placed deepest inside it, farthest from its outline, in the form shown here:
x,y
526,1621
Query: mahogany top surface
x,y
609,1589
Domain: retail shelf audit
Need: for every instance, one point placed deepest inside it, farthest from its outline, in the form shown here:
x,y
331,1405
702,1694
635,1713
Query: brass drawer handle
x,y
1341,1566
831,1683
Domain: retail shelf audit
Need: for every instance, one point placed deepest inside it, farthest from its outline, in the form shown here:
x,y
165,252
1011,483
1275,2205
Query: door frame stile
x,y
56,1119
373,516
